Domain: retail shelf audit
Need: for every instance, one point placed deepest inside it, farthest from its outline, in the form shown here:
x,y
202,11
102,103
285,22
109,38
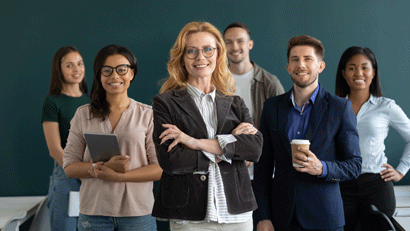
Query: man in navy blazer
x,y
308,197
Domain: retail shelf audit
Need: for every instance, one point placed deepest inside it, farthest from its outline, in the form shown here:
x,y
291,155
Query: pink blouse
x,y
134,133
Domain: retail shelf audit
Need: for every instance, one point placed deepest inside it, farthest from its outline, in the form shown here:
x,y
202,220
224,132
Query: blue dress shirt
x,y
298,120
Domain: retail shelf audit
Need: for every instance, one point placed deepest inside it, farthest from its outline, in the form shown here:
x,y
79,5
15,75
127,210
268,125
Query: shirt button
x,y
301,113
298,133
203,177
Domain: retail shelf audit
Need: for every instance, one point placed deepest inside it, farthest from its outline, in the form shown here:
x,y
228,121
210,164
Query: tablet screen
x,y
102,146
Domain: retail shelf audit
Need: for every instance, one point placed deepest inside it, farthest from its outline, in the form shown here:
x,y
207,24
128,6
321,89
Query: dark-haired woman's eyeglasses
x,y
120,69
192,53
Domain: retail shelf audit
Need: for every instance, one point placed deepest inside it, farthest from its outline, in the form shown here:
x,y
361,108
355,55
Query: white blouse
x,y
373,122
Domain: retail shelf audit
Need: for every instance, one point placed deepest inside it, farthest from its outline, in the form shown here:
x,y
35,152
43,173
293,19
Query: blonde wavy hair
x,y
221,78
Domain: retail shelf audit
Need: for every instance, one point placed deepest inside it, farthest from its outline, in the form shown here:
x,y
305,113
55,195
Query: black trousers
x,y
360,193
295,226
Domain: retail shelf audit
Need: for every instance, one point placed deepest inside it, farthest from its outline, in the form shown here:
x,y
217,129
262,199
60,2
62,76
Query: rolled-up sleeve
x,y
246,147
180,160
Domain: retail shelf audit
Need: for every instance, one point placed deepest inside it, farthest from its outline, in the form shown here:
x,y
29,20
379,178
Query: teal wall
x,y
32,32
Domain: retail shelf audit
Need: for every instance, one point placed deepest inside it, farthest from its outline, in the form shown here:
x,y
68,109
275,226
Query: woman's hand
x,y
173,132
244,128
119,163
100,171
265,225
390,173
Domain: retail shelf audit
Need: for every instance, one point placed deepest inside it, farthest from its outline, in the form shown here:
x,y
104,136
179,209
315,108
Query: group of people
x,y
217,137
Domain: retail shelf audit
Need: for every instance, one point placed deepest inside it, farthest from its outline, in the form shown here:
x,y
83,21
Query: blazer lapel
x,y
319,108
223,104
282,120
185,101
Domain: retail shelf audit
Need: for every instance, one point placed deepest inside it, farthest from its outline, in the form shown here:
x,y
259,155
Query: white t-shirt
x,y
243,88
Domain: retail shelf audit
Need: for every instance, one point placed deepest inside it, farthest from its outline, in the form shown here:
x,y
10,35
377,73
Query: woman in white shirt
x,y
358,80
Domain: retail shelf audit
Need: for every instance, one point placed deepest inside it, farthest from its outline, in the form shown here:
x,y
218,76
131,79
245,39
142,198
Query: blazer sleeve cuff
x,y
227,143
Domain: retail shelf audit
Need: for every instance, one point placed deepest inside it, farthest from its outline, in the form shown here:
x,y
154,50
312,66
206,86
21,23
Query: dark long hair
x,y
100,108
342,88
57,78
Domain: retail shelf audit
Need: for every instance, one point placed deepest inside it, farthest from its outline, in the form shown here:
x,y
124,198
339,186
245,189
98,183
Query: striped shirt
x,y
217,208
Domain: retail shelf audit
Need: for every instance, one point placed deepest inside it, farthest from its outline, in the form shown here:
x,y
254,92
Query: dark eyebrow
x,y
73,62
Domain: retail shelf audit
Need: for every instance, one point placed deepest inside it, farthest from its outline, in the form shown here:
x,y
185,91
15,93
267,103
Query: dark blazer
x,y
182,194
334,139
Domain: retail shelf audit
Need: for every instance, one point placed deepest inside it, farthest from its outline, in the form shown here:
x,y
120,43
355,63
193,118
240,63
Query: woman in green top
x,y
68,91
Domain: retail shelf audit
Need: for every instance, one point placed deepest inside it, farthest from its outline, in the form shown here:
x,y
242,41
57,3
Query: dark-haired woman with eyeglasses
x,y
68,91
117,194
357,79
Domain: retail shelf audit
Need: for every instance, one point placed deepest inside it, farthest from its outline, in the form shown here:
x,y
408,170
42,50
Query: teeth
x,y
114,84
201,66
359,80
301,73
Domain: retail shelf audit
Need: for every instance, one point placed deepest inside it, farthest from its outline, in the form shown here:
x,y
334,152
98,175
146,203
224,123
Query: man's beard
x,y
236,62
305,84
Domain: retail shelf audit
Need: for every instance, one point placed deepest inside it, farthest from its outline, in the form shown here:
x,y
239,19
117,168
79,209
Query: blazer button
x,y
203,177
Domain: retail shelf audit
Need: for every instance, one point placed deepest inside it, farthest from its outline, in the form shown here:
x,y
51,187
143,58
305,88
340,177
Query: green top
x,y
61,109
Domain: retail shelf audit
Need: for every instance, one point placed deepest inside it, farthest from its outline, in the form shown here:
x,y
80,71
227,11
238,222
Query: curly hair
x,y
221,78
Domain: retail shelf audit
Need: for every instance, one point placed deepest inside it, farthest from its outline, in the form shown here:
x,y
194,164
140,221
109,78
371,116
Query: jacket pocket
x,y
174,191
243,183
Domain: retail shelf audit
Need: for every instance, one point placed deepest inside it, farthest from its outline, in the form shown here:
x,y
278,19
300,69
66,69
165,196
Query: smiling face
x,y
115,83
358,73
200,67
238,44
72,68
304,66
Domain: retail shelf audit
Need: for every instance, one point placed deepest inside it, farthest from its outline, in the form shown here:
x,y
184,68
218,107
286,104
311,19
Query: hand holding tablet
x,y
102,146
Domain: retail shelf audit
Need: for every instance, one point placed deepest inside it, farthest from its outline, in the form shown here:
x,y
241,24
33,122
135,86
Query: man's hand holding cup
x,y
304,160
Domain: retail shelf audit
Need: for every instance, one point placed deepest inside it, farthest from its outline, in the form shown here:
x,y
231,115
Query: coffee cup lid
x,y
299,141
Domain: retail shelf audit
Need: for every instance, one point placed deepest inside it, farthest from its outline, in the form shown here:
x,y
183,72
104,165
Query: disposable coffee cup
x,y
298,143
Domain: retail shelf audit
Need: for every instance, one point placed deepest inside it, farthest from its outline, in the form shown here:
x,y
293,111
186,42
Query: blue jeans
x,y
104,223
58,195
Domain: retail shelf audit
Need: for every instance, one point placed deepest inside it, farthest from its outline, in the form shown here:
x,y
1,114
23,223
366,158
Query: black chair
x,y
384,222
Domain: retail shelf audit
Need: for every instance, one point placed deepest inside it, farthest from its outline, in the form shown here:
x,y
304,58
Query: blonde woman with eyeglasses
x,y
203,134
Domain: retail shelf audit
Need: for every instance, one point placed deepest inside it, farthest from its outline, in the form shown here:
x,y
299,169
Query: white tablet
x,y
102,146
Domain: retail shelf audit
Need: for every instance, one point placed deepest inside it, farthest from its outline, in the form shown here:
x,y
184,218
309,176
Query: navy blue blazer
x,y
317,202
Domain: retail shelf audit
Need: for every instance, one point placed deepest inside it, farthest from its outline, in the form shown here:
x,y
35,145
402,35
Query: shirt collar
x,y
196,93
312,97
372,99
